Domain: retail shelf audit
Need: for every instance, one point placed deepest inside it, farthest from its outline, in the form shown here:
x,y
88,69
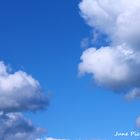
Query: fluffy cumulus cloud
x,y
19,92
15,127
116,66
119,19
112,66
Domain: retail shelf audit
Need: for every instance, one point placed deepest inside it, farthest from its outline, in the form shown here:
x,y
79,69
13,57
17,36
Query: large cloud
x,y
19,91
15,127
117,65
119,19
114,67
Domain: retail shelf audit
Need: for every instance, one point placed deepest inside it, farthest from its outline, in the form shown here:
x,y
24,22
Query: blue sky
x,y
43,38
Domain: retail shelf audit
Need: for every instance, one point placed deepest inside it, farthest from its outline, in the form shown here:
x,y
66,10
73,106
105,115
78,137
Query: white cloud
x,y
112,66
54,139
117,65
19,91
51,138
119,19
15,127
133,94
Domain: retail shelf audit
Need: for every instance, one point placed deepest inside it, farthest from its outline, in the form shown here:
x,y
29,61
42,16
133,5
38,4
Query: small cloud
x,y
15,127
51,138
85,43
133,94
20,91
138,122
55,139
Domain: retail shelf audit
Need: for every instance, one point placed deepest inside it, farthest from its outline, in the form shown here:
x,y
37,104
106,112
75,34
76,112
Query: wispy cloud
x,y
133,94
